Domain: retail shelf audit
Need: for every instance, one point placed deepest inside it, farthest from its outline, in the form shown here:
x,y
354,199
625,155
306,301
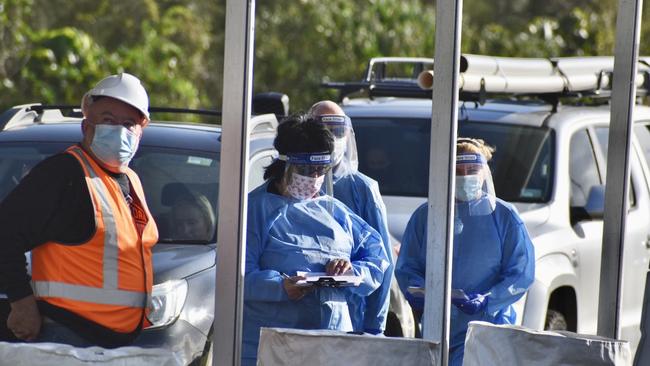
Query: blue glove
x,y
472,304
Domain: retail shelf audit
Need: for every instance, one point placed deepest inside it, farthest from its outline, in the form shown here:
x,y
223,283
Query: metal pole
x,y
618,166
236,108
441,174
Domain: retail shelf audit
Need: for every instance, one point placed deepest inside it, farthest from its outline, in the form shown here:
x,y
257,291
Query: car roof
x,y
532,113
395,107
171,135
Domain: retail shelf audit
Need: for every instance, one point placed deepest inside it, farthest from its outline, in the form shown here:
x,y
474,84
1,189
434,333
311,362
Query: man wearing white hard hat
x,y
82,214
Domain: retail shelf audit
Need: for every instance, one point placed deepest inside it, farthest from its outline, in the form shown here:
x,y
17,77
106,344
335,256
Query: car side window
x,y
602,134
642,132
583,170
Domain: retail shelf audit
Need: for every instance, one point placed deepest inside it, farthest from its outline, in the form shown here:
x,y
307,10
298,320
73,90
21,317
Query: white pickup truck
x,y
550,162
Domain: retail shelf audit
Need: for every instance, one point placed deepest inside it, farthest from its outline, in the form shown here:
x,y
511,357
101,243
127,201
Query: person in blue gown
x,y
292,227
493,256
361,194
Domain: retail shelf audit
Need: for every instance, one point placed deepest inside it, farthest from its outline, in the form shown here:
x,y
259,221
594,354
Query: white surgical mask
x,y
302,187
114,145
468,187
340,146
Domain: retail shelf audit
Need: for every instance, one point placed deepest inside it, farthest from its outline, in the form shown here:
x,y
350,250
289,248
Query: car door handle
x,y
647,242
574,257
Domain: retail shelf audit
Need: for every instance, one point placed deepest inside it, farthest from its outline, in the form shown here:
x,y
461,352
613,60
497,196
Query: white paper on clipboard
x,y
323,279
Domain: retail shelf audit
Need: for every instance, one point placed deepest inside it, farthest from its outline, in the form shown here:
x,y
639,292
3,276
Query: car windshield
x,y
395,152
180,185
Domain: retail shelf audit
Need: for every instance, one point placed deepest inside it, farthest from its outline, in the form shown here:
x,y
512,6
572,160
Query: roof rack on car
x,y
36,113
546,78
28,114
380,78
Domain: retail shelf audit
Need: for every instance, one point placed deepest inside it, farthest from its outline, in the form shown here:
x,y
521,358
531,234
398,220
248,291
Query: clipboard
x,y
321,279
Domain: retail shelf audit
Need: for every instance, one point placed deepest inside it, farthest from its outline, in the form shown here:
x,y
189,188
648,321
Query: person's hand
x,y
472,304
24,319
337,267
294,291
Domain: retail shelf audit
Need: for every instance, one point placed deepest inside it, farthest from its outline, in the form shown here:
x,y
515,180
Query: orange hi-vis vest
x,y
108,279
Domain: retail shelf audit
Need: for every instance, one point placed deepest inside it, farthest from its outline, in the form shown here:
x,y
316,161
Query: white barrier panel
x,y
497,345
47,354
294,347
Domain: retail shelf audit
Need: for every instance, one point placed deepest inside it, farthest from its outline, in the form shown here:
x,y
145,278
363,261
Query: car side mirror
x,y
595,206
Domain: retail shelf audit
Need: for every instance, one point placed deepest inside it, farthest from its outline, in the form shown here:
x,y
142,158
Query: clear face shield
x,y
344,157
306,173
475,194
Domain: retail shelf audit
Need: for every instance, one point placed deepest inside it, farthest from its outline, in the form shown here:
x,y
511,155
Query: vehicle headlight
x,y
167,300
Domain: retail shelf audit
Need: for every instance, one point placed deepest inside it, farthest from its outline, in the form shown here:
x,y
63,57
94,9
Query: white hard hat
x,y
124,87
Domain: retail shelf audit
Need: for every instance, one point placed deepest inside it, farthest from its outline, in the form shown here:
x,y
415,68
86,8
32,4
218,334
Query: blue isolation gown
x,y
361,194
492,253
287,235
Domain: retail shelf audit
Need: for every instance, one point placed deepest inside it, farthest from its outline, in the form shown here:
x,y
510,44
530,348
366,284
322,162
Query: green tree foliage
x,y
59,62
61,49
52,51
298,44
14,38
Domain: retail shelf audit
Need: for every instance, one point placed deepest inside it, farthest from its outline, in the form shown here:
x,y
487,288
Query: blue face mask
x,y
114,145
468,187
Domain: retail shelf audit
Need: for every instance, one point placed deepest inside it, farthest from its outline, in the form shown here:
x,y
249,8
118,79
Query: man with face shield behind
x,y
361,194
493,256
293,227
83,215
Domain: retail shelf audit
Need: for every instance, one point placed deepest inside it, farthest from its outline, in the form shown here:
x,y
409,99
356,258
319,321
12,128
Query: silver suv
x,y
174,159
549,162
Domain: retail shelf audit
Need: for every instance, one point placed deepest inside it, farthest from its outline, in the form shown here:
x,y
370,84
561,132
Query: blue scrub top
x,y
492,253
361,194
285,236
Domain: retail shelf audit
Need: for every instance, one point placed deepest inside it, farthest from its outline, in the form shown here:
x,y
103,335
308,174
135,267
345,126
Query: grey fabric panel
x,y
497,345
46,354
294,347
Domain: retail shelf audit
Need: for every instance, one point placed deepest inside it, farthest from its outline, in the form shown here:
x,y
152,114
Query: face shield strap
x,y
319,158
470,159
334,120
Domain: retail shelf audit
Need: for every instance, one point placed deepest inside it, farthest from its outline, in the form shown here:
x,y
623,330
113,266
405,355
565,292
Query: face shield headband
x,y
308,164
337,124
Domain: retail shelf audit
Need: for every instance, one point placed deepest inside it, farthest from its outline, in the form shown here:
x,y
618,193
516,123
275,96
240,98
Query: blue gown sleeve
x,y
259,285
411,262
517,267
376,309
368,257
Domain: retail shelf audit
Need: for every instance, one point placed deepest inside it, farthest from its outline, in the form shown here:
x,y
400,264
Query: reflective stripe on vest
x,y
90,294
109,294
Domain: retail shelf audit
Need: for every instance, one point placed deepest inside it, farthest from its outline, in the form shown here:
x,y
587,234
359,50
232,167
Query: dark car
x,y
174,160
